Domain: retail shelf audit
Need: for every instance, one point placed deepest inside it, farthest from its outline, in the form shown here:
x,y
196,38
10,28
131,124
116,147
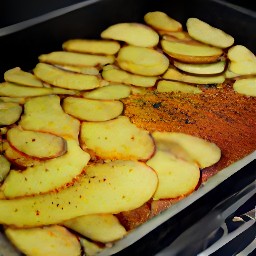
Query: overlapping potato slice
x,y
104,188
161,21
191,53
76,59
242,60
208,34
90,248
19,100
83,70
91,109
174,74
103,228
64,79
4,167
246,86
9,113
173,86
36,144
142,60
105,47
113,74
49,240
48,175
18,76
45,114
180,35
132,33
201,69
117,139
111,92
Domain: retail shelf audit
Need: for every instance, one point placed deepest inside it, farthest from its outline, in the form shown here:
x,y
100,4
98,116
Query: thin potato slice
x,y
18,76
4,167
172,86
136,34
92,110
90,248
208,34
117,139
104,188
246,86
19,100
105,47
83,70
51,240
48,175
76,59
64,79
9,113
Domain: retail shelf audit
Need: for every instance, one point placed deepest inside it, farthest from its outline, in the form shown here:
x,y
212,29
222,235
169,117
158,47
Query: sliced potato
x,y
45,114
117,139
161,21
36,144
9,113
92,110
90,248
49,240
48,175
110,92
172,86
246,86
136,34
64,79
180,35
142,60
112,74
76,59
83,70
104,188
4,167
18,76
208,34
174,74
106,47
19,100
103,228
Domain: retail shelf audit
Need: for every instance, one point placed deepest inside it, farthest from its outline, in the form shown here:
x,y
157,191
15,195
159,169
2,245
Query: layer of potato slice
x,y
161,21
117,139
36,144
112,74
4,167
45,114
18,76
65,79
104,188
173,86
19,100
111,92
201,69
180,35
246,86
203,152
9,113
83,70
132,33
142,60
191,53
48,175
49,240
174,74
105,47
103,228
76,59
208,34
91,109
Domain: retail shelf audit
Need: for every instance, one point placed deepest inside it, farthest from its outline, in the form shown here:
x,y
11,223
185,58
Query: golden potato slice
x,y
19,100
104,188
103,228
112,74
246,86
132,33
142,61
18,76
208,34
92,110
161,21
173,86
50,240
117,139
83,70
4,167
105,47
9,113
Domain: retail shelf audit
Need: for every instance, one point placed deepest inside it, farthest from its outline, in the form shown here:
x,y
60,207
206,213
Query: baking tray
x,y
22,43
